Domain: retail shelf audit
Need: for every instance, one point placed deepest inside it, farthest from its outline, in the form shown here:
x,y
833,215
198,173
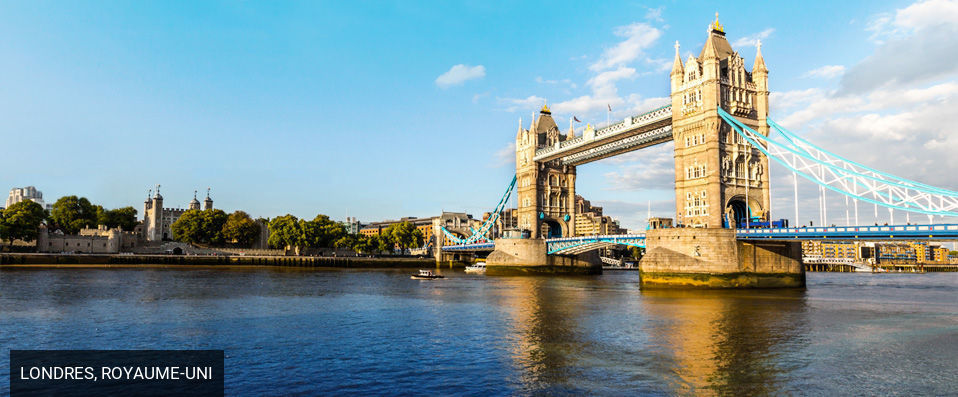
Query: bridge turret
x,y
677,70
760,78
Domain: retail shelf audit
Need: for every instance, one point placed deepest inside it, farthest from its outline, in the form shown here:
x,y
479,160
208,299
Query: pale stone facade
x,y
157,221
88,241
716,171
545,191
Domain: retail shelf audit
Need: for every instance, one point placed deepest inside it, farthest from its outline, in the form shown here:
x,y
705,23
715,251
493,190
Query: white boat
x,y
426,275
479,267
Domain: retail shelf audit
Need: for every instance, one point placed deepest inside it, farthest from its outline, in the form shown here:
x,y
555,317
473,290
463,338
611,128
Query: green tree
x,y
213,223
322,231
404,234
240,229
21,221
366,244
72,213
348,241
285,232
125,218
188,228
384,242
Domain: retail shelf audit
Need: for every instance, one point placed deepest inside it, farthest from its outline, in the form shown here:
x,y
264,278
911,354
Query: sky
x,y
385,109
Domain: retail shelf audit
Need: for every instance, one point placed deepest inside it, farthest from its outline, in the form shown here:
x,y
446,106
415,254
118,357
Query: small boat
x,y
426,275
479,267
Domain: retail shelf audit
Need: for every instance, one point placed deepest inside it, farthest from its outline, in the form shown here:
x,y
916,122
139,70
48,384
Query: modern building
x,y
590,221
31,193
157,220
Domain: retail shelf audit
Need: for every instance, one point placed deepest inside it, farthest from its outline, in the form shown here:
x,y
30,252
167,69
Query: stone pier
x,y
713,258
528,256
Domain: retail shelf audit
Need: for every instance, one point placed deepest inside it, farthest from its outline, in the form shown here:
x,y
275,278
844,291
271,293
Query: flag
x,y
610,107
576,119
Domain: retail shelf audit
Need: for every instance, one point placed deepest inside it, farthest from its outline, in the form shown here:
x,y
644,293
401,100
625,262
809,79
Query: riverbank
x,y
116,260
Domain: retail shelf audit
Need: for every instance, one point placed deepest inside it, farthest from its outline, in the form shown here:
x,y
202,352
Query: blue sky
x,y
360,107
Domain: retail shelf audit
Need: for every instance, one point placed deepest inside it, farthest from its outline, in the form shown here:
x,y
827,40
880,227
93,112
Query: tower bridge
x,y
719,122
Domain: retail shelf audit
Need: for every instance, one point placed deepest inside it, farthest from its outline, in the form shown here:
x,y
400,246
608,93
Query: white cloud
x,y
752,40
638,37
530,102
647,169
654,14
827,71
505,156
927,13
459,74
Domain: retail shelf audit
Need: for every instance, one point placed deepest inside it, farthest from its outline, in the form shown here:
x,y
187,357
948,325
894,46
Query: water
x,y
288,332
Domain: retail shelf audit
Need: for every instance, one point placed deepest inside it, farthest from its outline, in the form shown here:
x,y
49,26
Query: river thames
x,y
378,332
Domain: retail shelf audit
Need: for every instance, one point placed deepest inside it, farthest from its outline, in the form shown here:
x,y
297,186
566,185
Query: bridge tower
x,y
719,178
545,190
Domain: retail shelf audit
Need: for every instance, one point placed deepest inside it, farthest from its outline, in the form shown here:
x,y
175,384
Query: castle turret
x,y
194,204
208,203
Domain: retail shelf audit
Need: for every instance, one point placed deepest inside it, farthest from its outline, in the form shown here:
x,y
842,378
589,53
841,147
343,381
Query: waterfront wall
x,y
39,260
528,256
713,258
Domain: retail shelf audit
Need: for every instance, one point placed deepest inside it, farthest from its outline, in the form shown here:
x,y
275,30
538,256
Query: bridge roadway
x,y
580,244
632,133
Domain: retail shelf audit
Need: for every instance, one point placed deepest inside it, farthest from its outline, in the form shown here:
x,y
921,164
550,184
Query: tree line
x,y
290,233
69,214
214,227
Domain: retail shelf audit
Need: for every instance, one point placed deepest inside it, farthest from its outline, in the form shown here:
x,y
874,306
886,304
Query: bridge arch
x,y
554,228
736,211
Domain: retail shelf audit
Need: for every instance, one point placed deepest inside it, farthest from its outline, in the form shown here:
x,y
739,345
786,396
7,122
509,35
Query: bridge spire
x,y
759,60
677,64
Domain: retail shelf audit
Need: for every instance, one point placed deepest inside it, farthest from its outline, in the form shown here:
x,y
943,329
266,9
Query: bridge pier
x,y
528,256
714,258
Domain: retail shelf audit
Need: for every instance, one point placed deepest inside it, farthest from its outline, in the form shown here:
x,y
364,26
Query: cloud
x,y
643,170
654,14
459,74
752,40
926,55
477,97
827,71
638,37
530,102
505,156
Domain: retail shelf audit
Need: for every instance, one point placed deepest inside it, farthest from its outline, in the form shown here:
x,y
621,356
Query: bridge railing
x,y
855,232
629,123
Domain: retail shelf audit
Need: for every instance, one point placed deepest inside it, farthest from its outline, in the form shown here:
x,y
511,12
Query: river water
x,y
308,332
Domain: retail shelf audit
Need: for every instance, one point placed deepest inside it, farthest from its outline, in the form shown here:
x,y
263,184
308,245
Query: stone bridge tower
x,y
719,178
545,191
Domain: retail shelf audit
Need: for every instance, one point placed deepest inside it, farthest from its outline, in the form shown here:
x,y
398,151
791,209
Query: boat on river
x,y
426,275
479,267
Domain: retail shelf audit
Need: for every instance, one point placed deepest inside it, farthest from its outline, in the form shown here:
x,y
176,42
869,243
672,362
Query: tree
x,y
384,242
366,244
72,213
213,223
200,226
125,218
285,232
21,221
404,234
188,228
348,241
240,229
322,232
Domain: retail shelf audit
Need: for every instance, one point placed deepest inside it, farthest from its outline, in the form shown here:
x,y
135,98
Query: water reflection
x,y
728,342
545,341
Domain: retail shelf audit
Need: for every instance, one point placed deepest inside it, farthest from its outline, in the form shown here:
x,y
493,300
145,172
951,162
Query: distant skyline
x,y
380,110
